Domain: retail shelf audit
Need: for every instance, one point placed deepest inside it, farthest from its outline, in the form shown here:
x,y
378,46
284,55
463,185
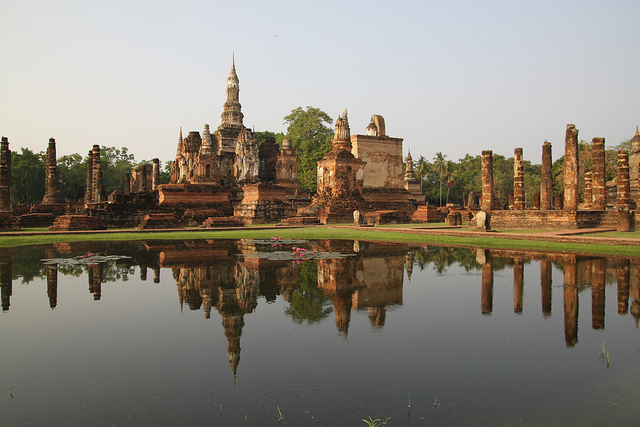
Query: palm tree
x,y
441,167
451,182
421,168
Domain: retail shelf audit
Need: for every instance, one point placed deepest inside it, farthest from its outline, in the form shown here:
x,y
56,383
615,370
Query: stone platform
x,y
159,221
77,223
301,220
8,222
223,221
554,219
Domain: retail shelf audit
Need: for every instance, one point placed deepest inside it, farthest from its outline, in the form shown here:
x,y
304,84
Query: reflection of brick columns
x,y
155,177
588,193
518,285
571,169
88,194
156,274
143,273
634,291
6,277
623,285
518,180
52,285
487,285
598,169
5,175
546,270
597,293
570,302
487,180
95,281
546,179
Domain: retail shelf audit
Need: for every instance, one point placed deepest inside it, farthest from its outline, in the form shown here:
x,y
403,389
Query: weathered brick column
x,y
546,178
155,177
97,188
597,293
571,169
546,274
5,175
518,285
588,191
143,179
51,192
487,180
624,214
598,169
536,201
518,180
88,193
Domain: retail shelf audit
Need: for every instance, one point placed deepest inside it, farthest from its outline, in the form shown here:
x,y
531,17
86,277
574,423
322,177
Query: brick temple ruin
x,y
223,178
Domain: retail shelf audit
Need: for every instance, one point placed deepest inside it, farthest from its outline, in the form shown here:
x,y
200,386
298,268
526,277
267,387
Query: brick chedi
x,y
411,183
340,178
268,155
571,169
287,169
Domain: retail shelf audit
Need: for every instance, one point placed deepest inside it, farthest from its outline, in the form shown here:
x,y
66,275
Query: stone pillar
x,y
487,180
588,190
536,201
557,203
570,292
546,274
88,193
97,188
143,178
518,180
155,177
127,184
5,175
546,178
624,277
598,169
51,191
624,214
518,285
571,169
598,293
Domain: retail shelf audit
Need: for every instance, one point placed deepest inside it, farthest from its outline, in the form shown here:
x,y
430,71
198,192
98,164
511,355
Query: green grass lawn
x,y
482,240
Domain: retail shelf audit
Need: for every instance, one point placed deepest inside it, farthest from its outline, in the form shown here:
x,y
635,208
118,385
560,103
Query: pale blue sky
x,y
452,76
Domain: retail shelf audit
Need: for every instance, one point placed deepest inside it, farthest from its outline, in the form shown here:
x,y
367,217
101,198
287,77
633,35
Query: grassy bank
x,y
482,240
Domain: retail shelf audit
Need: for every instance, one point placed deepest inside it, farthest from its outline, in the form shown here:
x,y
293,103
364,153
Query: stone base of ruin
x,y
301,220
625,218
159,221
224,221
397,198
387,217
553,219
483,220
53,208
454,218
430,214
195,217
263,204
8,222
37,220
77,223
192,195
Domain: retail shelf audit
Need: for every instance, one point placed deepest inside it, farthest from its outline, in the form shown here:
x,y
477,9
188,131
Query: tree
x,y
440,167
116,163
421,168
28,171
311,138
72,176
261,136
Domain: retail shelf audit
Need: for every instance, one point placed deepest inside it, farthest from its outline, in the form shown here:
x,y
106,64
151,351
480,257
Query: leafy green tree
x,y
116,163
262,136
28,172
72,176
310,136
440,168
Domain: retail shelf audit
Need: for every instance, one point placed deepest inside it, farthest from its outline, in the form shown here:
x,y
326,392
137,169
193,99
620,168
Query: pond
x,y
320,332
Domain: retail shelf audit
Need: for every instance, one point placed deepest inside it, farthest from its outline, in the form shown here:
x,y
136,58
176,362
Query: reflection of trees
x,y
441,257
307,302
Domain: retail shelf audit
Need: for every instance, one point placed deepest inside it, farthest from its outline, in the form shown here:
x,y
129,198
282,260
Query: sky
x,y
455,76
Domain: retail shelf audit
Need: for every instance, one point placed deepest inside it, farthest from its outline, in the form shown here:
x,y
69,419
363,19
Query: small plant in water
x,y
377,422
281,416
604,355
10,392
436,403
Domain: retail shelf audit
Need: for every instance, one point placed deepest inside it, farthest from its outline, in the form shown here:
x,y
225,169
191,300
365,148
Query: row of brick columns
x,y
594,191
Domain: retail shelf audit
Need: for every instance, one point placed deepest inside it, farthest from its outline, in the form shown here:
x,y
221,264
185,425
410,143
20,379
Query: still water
x,y
304,333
